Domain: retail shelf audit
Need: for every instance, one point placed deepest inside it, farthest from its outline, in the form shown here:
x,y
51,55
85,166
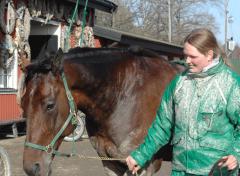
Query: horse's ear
x,y
57,62
24,60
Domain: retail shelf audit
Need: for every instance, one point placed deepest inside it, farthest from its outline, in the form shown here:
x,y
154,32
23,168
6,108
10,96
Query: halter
x,y
71,117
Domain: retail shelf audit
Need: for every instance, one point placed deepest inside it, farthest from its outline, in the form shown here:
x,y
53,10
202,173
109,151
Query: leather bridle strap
x,y
71,117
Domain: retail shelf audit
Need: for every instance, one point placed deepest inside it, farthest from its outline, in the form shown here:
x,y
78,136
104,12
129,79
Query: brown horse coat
x,y
119,90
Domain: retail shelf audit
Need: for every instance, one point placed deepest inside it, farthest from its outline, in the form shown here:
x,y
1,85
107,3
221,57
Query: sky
x,y
234,27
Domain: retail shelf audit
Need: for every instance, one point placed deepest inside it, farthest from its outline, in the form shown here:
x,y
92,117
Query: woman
x,y
200,109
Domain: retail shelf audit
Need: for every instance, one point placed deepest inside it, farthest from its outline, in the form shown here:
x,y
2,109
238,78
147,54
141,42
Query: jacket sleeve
x,y
233,112
160,131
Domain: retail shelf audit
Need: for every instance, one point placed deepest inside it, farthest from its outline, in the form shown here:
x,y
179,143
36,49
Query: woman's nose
x,y
188,60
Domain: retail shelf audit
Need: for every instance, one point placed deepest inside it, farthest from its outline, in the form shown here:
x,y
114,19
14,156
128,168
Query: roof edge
x,y
103,5
131,39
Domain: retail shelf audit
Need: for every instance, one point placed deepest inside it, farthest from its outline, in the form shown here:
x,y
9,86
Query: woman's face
x,y
196,61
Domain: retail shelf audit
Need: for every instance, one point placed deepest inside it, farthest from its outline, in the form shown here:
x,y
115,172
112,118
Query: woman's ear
x,y
210,55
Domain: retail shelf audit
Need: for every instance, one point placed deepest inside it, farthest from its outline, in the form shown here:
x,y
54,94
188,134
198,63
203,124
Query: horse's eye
x,y
50,106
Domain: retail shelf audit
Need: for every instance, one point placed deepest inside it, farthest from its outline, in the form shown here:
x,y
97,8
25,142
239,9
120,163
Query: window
x,y
8,77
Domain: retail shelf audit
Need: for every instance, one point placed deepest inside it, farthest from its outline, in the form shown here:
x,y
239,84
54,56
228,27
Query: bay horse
x,y
119,90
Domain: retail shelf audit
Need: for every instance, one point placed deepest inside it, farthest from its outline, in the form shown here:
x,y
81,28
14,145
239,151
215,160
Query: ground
x,y
64,166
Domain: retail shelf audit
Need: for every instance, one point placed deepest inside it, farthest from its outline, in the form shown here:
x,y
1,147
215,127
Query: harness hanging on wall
x,y
23,29
6,52
7,24
81,35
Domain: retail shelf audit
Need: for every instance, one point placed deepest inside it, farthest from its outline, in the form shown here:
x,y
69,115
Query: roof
x,y
131,39
103,5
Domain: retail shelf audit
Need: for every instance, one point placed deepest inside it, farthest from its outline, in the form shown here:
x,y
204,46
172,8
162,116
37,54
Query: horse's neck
x,y
101,89
94,87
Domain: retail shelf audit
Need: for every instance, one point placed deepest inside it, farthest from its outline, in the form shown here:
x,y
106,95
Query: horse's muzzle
x,y
32,170
35,170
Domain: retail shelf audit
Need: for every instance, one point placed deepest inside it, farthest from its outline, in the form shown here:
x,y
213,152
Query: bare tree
x,y
186,15
150,17
122,19
191,14
236,53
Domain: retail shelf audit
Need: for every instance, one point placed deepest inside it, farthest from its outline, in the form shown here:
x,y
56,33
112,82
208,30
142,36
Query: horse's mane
x,y
103,55
40,65
87,55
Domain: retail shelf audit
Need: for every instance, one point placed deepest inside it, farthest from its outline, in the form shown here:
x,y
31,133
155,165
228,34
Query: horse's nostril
x,y
32,170
36,169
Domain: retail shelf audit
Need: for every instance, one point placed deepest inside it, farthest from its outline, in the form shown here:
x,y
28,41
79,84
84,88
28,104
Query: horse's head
x,y
46,107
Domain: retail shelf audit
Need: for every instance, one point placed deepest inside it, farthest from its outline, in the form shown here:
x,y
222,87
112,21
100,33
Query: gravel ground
x,y
64,166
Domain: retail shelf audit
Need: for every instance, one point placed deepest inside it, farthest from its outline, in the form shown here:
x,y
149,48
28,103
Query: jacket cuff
x,y
139,158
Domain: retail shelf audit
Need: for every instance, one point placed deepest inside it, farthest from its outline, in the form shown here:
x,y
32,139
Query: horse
x,y
119,90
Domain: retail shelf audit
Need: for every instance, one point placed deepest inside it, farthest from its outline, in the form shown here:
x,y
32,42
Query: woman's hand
x,y
132,165
229,161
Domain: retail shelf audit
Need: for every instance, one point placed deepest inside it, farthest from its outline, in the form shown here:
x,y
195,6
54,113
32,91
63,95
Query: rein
x,y
71,117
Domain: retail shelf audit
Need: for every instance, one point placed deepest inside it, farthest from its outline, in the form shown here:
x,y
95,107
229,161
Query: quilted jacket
x,y
200,113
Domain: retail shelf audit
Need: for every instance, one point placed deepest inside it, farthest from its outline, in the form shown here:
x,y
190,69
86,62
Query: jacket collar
x,y
212,69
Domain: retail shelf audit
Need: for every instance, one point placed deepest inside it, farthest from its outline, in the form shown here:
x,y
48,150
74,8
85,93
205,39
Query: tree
x,y
236,53
121,20
150,17
191,14
234,59
185,14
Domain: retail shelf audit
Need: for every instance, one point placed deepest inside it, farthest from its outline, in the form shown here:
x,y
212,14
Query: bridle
x,y
71,118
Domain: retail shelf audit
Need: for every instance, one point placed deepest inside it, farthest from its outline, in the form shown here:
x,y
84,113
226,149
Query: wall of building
x,y
10,110
58,25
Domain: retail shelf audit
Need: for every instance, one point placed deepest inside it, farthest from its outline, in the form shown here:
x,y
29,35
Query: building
x,y
44,25
38,25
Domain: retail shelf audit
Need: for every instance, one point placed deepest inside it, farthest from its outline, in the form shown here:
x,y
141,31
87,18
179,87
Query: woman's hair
x,y
204,40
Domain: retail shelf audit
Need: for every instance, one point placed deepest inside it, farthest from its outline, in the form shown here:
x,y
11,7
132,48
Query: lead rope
x,y
74,153
101,158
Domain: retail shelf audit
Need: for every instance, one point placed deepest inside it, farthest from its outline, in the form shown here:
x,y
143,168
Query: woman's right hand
x,y
132,164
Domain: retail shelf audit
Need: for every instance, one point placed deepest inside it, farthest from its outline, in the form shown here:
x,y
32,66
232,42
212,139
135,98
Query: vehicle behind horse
x,y
119,90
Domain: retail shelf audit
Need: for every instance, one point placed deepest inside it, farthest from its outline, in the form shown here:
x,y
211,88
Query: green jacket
x,y
202,114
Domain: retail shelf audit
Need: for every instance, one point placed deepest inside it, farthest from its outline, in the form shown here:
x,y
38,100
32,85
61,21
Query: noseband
x,y
71,117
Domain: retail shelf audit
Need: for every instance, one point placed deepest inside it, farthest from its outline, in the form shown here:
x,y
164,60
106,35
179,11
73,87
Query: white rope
x,y
98,158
